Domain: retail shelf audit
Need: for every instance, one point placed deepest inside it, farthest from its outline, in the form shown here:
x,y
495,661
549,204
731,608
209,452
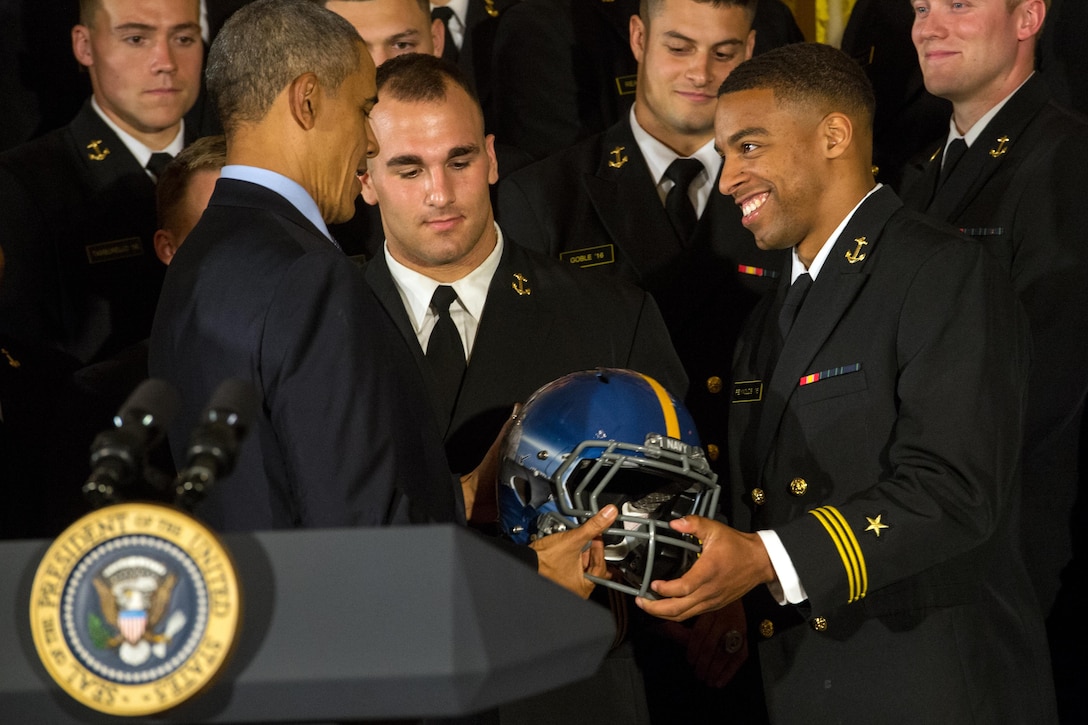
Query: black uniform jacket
x,y
343,435
77,218
882,447
1019,190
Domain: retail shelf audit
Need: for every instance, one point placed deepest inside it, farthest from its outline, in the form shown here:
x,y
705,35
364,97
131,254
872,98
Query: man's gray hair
x,y
269,43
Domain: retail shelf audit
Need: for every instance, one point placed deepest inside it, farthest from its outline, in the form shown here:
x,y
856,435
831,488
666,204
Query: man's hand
x,y
732,564
567,557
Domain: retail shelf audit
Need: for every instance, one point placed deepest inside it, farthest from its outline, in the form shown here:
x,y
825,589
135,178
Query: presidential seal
x,y
134,609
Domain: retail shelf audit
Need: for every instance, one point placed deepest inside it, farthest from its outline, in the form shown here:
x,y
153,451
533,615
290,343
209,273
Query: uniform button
x,y
798,486
711,451
766,628
714,384
819,624
758,497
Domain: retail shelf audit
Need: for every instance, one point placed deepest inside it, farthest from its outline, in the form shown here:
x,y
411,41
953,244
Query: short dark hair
x,y
424,5
207,153
809,74
649,8
267,44
417,77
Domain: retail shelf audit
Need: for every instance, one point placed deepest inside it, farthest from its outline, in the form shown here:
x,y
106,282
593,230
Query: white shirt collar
x,y
139,151
821,256
457,22
658,156
416,290
980,125
288,188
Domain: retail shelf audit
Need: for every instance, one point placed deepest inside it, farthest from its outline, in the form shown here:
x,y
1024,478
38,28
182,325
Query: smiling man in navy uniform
x,y
874,442
77,206
1017,185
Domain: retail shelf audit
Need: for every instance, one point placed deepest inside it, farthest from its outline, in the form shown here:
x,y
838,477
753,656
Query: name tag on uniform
x,y
114,250
590,256
748,391
625,85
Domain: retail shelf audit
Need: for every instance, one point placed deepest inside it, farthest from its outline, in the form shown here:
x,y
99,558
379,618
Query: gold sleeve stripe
x,y
672,423
857,576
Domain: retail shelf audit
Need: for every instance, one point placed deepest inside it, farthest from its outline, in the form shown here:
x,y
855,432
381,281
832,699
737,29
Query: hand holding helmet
x,y
608,436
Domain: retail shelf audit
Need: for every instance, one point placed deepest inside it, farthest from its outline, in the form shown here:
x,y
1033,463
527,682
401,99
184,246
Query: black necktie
x,y
449,50
952,155
677,204
157,163
792,305
445,353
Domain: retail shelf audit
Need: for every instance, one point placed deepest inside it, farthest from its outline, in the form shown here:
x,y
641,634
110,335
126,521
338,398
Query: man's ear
x,y
370,195
165,246
637,32
1032,13
304,97
492,159
81,45
838,134
438,37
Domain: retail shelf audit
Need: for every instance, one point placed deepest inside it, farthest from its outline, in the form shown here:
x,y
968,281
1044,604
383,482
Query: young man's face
x,y
771,166
144,58
967,50
391,27
432,183
684,53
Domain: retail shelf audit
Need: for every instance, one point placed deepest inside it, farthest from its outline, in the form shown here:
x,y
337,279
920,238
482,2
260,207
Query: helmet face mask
x,y
609,437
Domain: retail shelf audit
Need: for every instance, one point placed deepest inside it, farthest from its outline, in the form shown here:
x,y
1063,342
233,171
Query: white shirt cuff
x,y
787,588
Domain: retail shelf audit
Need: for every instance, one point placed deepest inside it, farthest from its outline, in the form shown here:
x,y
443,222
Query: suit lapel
x,y
513,315
625,198
986,154
834,290
105,159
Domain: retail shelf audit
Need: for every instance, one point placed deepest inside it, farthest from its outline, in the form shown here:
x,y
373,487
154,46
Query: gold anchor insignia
x,y
519,285
875,525
618,157
11,361
97,152
489,8
853,257
1002,147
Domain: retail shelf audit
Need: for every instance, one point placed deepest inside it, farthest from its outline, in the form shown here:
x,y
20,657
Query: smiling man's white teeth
x,y
752,204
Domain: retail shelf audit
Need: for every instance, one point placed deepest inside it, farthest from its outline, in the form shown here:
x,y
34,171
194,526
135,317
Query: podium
x,y
349,624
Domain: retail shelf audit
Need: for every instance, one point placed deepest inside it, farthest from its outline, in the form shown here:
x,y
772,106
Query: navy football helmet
x,y
607,436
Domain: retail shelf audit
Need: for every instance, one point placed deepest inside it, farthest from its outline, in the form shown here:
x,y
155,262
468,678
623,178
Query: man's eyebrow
x,y
409,34
750,131
676,35
463,151
129,27
405,160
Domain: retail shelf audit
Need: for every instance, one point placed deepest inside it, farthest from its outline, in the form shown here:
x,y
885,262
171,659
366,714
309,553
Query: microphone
x,y
213,445
118,454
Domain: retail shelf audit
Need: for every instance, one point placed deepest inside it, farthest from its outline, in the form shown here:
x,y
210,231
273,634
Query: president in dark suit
x,y
77,206
260,292
606,206
1012,173
877,407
